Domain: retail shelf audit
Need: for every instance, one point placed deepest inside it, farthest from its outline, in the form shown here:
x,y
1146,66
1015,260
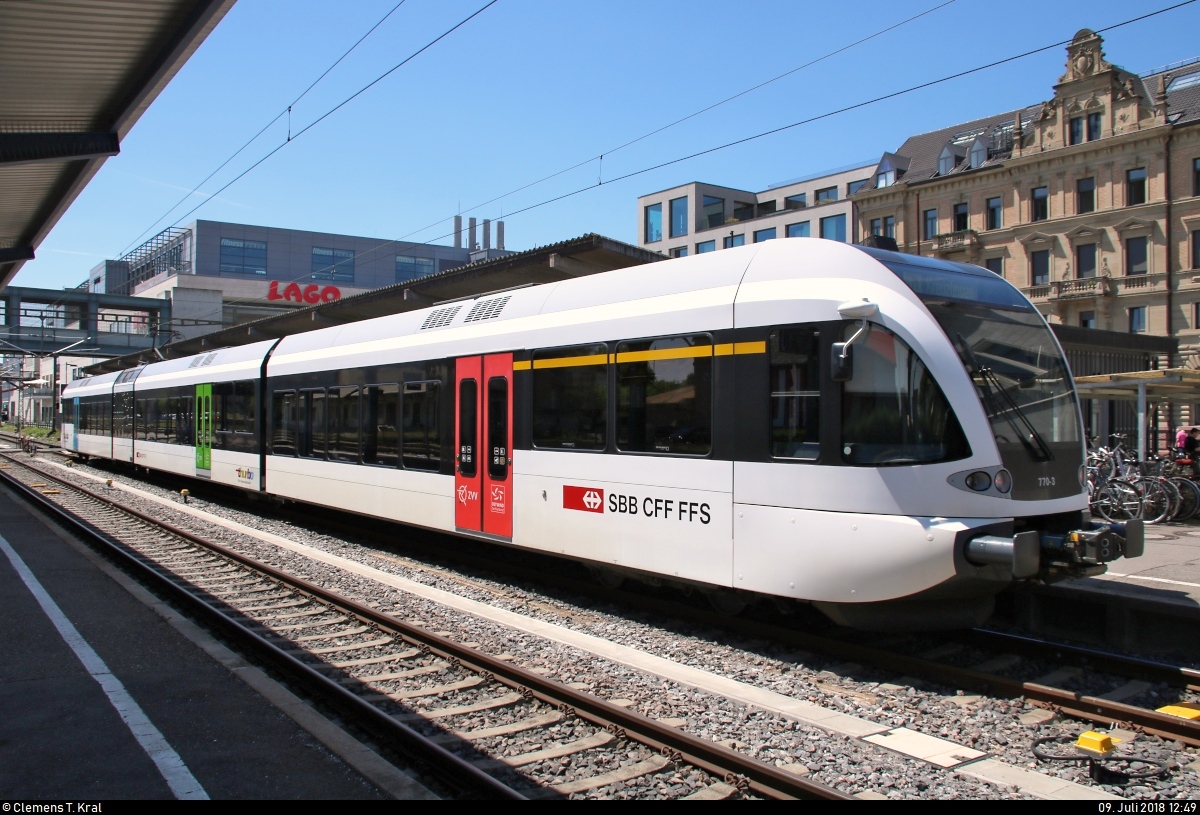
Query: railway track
x,y
481,724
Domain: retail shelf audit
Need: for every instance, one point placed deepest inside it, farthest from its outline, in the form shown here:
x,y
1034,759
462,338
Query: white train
x,y
892,438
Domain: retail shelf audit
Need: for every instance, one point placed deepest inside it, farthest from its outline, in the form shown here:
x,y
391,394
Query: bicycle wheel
x,y
1189,495
1117,501
1156,501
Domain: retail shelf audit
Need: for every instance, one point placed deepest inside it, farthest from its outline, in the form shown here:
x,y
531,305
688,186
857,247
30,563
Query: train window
x,y
893,411
283,423
570,398
795,393
184,421
422,442
664,395
123,415
497,439
468,396
342,410
380,420
311,441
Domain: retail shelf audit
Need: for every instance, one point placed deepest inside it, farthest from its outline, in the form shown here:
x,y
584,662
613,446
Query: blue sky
x,y
530,87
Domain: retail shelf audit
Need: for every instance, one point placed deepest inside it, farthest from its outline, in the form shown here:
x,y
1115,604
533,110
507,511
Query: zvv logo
x,y
465,495
584,499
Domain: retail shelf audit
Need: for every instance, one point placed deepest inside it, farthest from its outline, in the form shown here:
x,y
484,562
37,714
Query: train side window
x,y
422,445
664,395
283,423
497,428
893,411
342,410
243,394
795,371
468,396
570,398
381,438
312,423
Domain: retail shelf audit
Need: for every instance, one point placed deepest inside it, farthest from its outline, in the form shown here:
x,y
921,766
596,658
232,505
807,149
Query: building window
x,y
1076,130
743,210
1196,249
978,153
679,252
855,186
961,218
714,211
995,266
653,223
1196,176
995,213
876,226
930,224
1087,319
1039,204
1085,193
764,235
1136,256
1137,320
1093,126
827,195
833,228
706,246
1040,263
242,257
332,264
410,268
1135,187
946,161
1195,315
889,226
797,201
800,230
1085,260
885,179
766,207
679,217
732,241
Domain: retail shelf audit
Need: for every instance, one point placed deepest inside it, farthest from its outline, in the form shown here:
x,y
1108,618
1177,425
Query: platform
x,y
62,738
1148,604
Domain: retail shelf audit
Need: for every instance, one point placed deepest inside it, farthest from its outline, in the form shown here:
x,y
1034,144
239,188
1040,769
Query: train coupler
x,y
1084,552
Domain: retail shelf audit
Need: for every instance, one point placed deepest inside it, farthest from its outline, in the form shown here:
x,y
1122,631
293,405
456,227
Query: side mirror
x,y
841,363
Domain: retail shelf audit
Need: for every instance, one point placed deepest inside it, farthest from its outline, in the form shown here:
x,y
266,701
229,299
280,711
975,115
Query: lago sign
x,y
312,293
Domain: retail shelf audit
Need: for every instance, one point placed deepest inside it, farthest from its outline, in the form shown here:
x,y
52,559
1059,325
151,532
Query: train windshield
x,y
1012,356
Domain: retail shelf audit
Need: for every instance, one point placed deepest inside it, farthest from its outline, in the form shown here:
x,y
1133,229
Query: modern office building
x,y
700,217
221,274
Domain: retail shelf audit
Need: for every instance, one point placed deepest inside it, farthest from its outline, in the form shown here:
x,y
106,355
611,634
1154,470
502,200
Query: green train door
x,y
204,429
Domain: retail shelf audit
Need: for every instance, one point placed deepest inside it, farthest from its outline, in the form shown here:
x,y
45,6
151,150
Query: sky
x,y
529,88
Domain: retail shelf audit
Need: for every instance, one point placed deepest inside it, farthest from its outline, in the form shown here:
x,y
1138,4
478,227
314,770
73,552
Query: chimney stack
x,y
487,234
471,235
458,232
500,235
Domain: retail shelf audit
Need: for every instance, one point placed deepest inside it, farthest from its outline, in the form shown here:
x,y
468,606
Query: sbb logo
x,y
584,499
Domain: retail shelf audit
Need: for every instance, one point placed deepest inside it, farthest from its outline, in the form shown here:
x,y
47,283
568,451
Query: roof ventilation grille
x,y
441,317
208,359
486,309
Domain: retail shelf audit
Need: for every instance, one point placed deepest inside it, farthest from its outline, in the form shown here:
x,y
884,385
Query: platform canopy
x,y
1163,385
75,76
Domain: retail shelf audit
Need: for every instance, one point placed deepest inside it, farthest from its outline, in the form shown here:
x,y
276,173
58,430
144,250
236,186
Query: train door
x,y
483,445
75,417
204,429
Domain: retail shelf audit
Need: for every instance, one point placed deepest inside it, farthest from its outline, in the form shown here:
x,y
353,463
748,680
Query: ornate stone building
x,y
1088,202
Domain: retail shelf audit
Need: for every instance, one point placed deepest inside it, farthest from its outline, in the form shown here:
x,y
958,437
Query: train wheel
x,y
725,601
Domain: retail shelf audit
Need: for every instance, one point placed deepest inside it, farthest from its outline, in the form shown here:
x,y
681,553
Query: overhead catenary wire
x,y
746,139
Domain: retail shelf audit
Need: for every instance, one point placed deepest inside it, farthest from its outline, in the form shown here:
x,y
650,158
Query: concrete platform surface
x,y
62,738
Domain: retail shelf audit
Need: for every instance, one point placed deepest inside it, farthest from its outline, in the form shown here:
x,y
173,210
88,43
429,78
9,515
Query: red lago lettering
x,y
311,293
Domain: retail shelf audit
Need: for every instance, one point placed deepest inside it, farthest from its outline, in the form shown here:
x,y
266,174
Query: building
x,y
1088,202
221,274
697,217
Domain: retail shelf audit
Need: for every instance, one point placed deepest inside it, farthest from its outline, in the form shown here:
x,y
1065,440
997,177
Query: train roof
x,y
91,386
224,365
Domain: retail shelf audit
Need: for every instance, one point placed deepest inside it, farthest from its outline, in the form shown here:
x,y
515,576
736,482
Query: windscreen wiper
x,y
992,387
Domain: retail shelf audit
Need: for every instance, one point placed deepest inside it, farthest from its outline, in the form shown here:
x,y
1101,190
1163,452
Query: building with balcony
x,y
218,274
698,217
1088,202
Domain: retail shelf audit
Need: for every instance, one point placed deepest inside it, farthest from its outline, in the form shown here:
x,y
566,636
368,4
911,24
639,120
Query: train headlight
x,y
1083,475
1003,481
978,481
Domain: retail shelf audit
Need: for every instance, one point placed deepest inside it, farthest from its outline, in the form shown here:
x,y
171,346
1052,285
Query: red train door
x,y
483,445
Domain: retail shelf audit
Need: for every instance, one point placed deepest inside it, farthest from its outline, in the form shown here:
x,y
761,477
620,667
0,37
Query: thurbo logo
x,y
465,494
244,473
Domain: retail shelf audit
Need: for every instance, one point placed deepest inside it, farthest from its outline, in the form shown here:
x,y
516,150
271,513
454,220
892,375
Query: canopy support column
x,y
1141,418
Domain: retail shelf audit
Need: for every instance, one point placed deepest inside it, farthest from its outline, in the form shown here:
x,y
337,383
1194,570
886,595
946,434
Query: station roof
x,y
78,74
587,254
1169,384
